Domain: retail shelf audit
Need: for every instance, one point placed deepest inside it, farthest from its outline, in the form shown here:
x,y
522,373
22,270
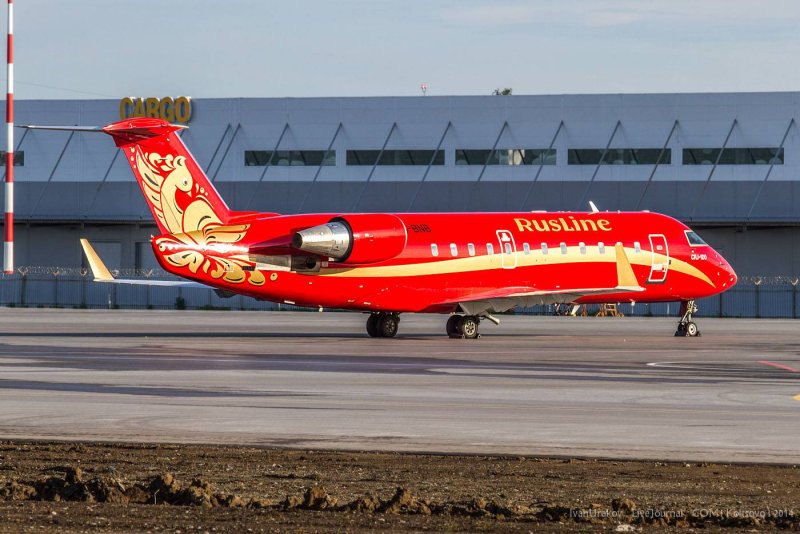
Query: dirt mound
x,y
366,504
404,502
261,504
12,490
315,498
624,505
72,485
482,507
163,488
166,489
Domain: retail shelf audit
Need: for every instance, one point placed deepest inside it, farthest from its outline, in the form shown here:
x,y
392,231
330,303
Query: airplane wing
x,y
102,274
506,298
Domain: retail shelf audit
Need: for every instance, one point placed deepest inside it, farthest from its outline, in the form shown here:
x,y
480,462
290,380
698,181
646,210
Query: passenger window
x,y
544,248
637,247
508,248
583,247
434,249
527,248
489,249
563,248
453,249
601,247
471,249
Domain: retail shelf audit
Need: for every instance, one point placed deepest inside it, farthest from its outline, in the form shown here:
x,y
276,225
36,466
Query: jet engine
x,y
355,239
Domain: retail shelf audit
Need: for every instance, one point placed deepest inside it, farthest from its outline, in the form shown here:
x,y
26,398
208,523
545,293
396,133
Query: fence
x,y
45,287
42,287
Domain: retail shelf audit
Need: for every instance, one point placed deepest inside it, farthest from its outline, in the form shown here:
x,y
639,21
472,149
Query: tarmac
x,y
542,386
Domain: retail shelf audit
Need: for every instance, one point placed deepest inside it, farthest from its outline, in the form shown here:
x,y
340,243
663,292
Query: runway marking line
x,y
779,366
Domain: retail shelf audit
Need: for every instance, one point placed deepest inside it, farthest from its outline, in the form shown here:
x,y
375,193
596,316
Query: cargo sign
x,y
167,108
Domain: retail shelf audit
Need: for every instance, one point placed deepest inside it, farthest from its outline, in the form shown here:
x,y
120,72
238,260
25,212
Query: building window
x,y
471,249
733,156
289,158
19,158
395,157
506,156
618,156
453,249
489,249
434,249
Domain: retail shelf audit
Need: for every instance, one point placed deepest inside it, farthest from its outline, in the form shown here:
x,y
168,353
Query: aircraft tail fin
x,y
177,191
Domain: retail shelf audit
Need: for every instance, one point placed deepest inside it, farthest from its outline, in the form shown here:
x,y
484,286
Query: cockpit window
x,y
694,239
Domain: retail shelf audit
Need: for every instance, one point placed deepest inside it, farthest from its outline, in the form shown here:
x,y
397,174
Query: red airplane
x,y
470,265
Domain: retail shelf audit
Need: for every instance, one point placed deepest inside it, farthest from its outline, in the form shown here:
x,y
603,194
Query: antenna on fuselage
x,y
594,208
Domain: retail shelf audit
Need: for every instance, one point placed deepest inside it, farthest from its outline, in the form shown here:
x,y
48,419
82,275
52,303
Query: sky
x,y
302,48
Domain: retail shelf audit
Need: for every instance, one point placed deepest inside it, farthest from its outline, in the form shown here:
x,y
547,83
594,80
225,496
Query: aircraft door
x,y
508,249
659,264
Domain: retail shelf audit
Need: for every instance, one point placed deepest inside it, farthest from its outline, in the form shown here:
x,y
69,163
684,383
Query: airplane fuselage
x,y
447,258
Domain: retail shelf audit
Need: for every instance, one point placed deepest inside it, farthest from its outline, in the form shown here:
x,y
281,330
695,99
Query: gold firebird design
x,y
198,239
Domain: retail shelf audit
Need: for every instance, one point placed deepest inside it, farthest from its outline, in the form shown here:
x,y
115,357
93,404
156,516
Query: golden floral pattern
x,y
197,239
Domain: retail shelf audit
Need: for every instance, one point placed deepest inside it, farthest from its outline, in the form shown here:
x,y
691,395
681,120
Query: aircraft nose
x,y
727,273
732,273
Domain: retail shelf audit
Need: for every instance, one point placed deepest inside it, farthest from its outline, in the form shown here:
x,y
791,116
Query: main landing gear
x,y
686,327
383,324
463,326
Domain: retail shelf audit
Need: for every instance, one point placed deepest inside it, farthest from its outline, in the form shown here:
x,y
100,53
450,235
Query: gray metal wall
x,y
75,186
79,176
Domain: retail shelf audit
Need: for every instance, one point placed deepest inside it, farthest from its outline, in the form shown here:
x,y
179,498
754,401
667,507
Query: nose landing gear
x,y
687,327
383,324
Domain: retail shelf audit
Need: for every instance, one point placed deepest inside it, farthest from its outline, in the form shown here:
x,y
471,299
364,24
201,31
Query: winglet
x,y
99,269
625,276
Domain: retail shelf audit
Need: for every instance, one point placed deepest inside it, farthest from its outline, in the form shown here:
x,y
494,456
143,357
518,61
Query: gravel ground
x,y
81,487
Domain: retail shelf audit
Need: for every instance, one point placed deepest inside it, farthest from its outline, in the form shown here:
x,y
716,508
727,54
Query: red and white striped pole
x,y
8,249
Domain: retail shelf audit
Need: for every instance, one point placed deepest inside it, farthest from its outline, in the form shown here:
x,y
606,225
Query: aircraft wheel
x,y
468,326
388,325
452,326
691,329
372,325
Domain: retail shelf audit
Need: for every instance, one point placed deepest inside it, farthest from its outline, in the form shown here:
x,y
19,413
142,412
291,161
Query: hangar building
x,y
726,164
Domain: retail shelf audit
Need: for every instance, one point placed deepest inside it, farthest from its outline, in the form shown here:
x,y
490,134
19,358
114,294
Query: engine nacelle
x,y
355,239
